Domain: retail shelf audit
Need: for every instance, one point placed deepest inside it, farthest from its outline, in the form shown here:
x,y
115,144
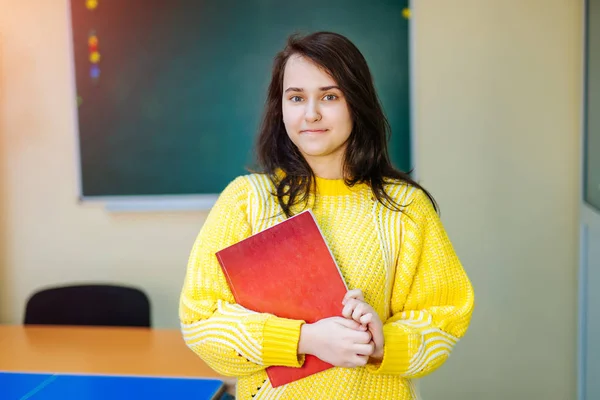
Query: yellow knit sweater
x,y
403,262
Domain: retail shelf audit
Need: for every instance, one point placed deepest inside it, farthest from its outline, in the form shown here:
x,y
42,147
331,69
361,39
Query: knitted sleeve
x,y
232,340
432,298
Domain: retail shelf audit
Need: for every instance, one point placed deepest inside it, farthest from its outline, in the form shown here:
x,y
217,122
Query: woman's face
x,y
315,112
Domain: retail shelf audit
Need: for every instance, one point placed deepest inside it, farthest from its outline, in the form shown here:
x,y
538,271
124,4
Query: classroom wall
x,y
497,116
498,94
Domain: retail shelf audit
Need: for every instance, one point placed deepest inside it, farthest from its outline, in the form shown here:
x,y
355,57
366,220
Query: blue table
x,y
26,386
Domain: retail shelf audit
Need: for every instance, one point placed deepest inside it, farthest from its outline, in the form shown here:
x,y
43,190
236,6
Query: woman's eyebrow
x,y
324,88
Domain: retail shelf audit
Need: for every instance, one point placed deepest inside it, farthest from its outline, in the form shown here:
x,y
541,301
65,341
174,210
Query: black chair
x,y
92,305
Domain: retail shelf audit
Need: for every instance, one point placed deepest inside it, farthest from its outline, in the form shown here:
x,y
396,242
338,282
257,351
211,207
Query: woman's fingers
x,y
353,294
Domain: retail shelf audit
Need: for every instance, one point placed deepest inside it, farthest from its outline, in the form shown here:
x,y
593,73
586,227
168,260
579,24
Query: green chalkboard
x,y
591,183
173,103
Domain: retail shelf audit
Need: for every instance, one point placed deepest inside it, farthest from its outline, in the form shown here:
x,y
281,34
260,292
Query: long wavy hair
x,y
366,159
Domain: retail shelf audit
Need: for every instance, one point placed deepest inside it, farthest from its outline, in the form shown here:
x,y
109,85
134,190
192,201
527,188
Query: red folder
x,y
287,270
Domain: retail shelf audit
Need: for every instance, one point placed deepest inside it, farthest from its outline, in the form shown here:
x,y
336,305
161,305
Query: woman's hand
x,y
356,309
339,341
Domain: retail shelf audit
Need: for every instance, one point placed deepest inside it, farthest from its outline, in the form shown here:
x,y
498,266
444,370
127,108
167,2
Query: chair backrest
x,y
94,305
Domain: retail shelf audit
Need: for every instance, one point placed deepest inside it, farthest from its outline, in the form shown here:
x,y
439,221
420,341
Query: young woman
x,y
322,145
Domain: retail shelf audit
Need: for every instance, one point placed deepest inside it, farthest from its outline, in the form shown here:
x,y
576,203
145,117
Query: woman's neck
x,y
327,167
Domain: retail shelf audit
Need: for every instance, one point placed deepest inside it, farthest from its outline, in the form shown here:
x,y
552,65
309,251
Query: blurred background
x,y
495,131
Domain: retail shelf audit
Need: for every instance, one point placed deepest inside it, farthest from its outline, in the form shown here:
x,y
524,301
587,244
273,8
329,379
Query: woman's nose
x,y
312,113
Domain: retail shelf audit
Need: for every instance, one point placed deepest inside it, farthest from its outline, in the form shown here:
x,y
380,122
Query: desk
x,y
28,386
101,351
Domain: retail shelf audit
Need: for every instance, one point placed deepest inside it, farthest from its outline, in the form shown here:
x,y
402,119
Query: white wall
x,y
497,92
498,120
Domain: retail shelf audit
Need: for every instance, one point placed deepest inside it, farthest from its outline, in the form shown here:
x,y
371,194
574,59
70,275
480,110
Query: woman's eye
x,y
330,97
296,99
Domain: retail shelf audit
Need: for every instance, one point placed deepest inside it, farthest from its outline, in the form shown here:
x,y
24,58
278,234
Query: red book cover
x,y
287,270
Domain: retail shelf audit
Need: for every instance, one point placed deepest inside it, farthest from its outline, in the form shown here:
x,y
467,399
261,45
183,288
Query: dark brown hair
x,y
366,159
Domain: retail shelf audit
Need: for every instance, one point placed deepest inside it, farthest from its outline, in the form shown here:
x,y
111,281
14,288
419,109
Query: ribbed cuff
x,y
280,342
396,352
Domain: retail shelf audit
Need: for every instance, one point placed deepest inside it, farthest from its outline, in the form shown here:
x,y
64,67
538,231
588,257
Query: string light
x,y
94,56
91,4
